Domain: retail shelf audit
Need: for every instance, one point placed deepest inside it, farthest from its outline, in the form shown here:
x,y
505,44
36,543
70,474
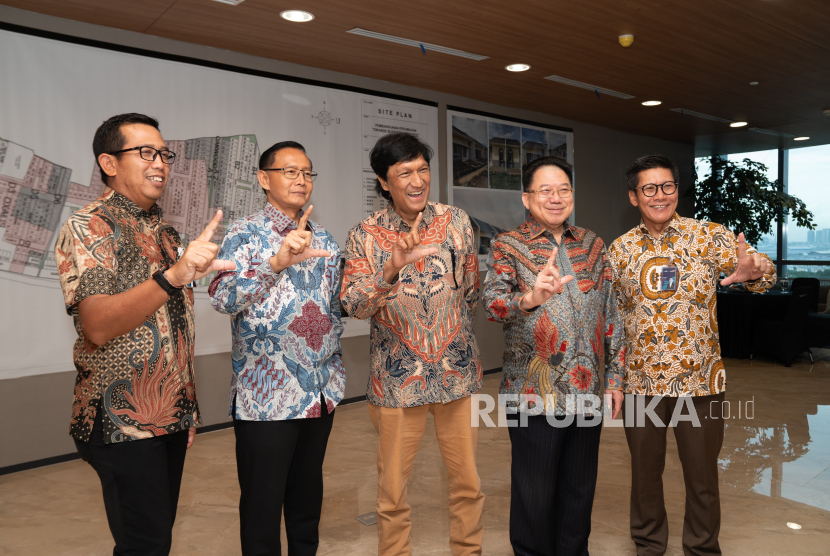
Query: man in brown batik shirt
x,y
123,280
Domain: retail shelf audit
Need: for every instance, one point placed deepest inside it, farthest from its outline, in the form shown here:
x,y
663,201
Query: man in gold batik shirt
x,y
666,271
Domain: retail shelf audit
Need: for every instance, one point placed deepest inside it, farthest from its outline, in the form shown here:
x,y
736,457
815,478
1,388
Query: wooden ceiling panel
x,y
132,15
697,55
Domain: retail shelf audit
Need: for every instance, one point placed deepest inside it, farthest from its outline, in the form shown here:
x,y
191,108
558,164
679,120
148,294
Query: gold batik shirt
x,y
672,344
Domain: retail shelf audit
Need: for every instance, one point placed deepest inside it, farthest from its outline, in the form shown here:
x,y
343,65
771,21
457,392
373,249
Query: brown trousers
x,y
698,448
400,431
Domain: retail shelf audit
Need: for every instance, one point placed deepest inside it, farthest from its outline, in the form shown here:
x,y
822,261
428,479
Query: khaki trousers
x,y
400,431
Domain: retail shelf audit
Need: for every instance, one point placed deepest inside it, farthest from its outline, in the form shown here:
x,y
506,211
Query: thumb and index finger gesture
x,y
199,259
407,249
296,247
550,274
748,268
548,282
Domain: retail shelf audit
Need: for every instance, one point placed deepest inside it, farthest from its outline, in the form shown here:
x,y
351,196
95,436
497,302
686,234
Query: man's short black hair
x,y
529,170
267,158
649,162
392,149
108,137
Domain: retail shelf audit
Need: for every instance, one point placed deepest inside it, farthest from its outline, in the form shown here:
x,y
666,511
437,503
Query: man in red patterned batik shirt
x,y
412,269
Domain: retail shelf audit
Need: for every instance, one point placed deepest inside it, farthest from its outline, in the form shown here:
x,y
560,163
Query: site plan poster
x,y
53,95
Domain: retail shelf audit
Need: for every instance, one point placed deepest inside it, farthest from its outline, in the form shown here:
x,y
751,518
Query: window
x,y
809,174
768,243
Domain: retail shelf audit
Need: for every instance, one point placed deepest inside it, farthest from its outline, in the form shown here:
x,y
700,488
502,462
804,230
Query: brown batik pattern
x,y
142,381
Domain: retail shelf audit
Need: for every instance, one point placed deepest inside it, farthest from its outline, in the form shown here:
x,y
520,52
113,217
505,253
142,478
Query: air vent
x,y
417,44
685,112
572,83
770,132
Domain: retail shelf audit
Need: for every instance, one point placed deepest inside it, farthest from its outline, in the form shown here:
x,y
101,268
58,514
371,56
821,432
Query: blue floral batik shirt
x,y
286,326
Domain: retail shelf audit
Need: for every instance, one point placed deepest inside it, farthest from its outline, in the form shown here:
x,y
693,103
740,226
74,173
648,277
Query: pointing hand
x,y
198,259
296,247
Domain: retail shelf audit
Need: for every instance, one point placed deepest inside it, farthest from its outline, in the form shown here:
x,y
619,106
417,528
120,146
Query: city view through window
x,y
809,180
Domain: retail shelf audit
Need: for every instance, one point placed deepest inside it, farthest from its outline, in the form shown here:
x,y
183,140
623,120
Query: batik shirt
x,y
571,344
286,326
142,381
672,344
422,346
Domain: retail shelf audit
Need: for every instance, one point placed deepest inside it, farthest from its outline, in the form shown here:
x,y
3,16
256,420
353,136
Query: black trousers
x,y
141,481
552,485
280,465
698,448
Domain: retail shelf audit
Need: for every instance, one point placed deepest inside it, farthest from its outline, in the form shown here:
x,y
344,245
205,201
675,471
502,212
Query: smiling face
x,y
408,183
288,195
656,211
553,211
141,181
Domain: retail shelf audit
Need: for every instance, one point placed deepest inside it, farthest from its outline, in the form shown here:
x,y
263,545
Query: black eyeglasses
x,y
150,154
293,173
650,189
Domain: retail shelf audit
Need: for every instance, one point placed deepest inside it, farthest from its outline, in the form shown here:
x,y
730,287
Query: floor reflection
x,y
779,446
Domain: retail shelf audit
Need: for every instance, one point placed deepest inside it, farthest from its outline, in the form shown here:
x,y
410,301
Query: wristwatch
x,y
169,288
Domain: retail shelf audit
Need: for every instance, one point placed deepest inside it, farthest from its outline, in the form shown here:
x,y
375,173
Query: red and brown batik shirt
x,y
142,381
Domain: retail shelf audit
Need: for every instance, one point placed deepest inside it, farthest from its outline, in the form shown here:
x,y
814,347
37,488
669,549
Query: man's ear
x,y
107,162
526,200
383,183
632,196
262,176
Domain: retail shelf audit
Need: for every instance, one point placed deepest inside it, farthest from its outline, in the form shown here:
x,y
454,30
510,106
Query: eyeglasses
x,y
293,173
150,154
547,193
650,189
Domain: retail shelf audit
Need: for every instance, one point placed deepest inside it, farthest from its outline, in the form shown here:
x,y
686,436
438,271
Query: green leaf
x,y
739,196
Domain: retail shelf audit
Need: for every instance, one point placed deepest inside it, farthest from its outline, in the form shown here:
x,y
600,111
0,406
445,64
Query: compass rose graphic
x,y
325,119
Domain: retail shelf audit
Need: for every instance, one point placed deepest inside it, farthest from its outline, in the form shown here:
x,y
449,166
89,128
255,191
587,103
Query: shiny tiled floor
x,y
775,470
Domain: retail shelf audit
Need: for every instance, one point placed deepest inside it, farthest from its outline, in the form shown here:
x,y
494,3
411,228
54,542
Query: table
x,y
737,311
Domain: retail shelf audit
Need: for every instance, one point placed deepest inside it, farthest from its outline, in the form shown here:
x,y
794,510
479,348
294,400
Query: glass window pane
x,y
809,178
768,243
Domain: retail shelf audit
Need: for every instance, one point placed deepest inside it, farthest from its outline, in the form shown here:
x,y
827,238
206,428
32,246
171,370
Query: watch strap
x,y
169,288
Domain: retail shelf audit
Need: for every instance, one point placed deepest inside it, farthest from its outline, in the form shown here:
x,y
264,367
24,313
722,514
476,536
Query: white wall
x,y
37,408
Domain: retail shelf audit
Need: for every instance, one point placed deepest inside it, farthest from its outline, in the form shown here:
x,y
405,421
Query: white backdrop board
x,y
54,94
486,155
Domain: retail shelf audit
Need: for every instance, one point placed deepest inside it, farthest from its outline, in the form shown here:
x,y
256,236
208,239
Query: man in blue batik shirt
x,y
283,299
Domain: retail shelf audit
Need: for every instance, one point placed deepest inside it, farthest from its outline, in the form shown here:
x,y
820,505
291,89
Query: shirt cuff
x,y
519,305
382,284
266,275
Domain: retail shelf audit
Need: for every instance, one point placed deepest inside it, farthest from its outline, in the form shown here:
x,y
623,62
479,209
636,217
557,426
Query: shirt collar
x,y
281,221
533,229
674,225
397,223
115,199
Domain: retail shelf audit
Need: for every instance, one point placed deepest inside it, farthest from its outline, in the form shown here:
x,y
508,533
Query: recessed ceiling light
x,y
517,67
753,82
792,525
652,103
800,138
297,16
737,124
231,2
